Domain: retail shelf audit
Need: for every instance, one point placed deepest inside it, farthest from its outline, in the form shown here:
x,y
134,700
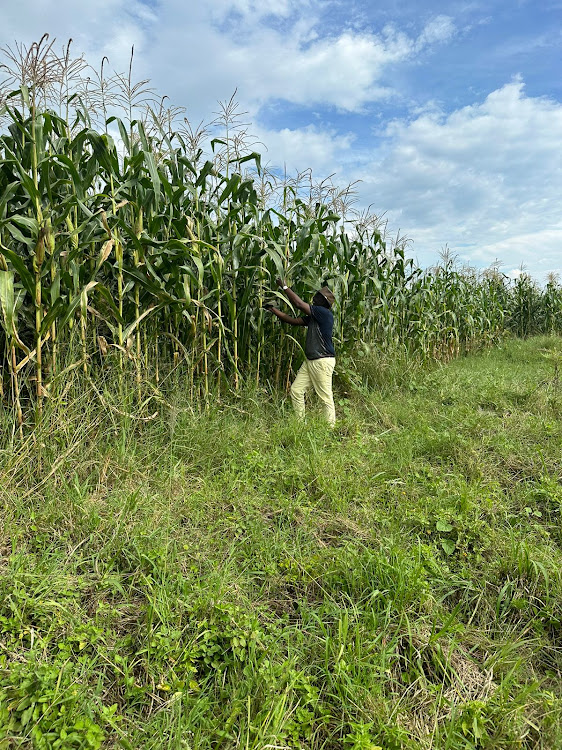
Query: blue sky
x,y
449,115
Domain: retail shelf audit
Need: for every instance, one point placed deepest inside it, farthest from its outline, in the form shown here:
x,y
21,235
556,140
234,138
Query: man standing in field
x,y
320,357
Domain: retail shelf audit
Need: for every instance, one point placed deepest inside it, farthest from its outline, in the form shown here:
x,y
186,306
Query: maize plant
x,y
127,242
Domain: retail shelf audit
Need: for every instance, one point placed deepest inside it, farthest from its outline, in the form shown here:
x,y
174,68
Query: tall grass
x,y
232,578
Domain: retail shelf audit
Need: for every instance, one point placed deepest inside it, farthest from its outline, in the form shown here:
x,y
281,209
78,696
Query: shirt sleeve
x,y
318,313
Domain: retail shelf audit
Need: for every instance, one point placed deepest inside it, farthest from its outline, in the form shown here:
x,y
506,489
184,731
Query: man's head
x,y
324,298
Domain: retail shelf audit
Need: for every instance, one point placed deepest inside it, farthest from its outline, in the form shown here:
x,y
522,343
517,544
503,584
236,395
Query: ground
x,y
230,578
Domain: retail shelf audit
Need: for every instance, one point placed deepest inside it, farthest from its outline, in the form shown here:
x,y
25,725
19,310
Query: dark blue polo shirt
x,y
320,324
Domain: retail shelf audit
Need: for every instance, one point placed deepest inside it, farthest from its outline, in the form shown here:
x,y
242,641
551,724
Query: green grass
x,y
233,579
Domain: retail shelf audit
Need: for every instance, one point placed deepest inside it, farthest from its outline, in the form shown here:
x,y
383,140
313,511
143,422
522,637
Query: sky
x,y
447,116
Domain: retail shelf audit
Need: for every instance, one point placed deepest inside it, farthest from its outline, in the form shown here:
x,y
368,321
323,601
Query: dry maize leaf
x,y
106,251
104,222
102,343
208,319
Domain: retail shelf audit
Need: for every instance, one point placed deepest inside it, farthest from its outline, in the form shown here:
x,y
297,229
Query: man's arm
x,y
294,298
284,317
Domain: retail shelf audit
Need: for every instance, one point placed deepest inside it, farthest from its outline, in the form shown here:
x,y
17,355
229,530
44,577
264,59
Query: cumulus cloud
x,y
200,52
490,170
343,72
321,150
299,63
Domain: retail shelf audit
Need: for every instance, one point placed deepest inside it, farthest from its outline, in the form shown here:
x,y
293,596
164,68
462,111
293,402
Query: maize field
x,y
130,240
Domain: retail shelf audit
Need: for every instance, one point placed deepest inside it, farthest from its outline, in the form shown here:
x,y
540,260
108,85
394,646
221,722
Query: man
x,y
318,367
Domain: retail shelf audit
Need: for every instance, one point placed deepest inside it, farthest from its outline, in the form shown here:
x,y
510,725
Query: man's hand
x,y
269,307
295,300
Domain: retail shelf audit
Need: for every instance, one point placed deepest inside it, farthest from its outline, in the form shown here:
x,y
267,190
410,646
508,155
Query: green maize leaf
x,y
52,315
207,170
24,91
154,176
177,244
168,189
157,291
230,188
191,320
74,303
249,291
76,179
186,288
131,234
190,273
231,304
187,163
210,295
40,139
54,290
200,269
26,222
29,185
101,151
142,135
7,196
7,301
130,328
17,235
217,272
275,252
314,244
104,292
294,340
25,276
216,141
18,123
254,156
152,271
85,210
123,132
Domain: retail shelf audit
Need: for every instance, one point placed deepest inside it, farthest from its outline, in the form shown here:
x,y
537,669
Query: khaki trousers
x,y
317,374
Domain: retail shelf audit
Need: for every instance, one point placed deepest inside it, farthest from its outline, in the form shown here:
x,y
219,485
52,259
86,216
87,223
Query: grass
x,y
233,579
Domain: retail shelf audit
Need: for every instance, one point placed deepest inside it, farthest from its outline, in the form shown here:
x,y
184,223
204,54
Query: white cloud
x,y
106,27
254,9
440,29
342,72
301,63
322,151
485,179
199,53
